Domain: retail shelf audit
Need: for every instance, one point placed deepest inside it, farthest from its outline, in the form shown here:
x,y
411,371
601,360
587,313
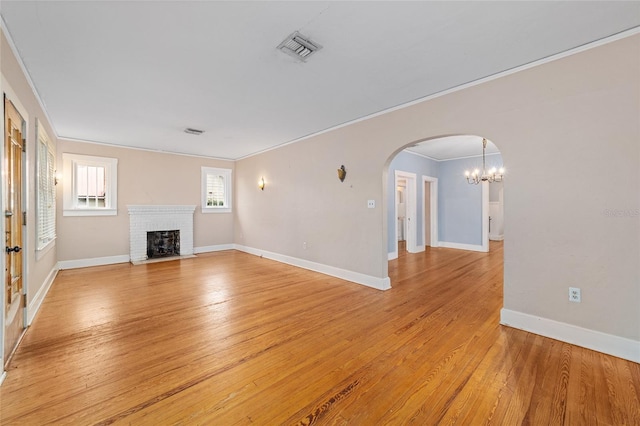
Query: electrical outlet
x,y
304,245
371,204
574,295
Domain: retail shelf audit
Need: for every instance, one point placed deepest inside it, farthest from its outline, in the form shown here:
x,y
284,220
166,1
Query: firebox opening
x,y
163,244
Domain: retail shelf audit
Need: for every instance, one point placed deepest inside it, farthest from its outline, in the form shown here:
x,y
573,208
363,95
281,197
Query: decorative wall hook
x,y
342,173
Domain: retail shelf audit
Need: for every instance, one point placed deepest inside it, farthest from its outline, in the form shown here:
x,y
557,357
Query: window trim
x,y
70,163
45,242
228,185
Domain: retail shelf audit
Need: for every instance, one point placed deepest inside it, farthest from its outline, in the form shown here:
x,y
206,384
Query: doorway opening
x,y
443,209
405,212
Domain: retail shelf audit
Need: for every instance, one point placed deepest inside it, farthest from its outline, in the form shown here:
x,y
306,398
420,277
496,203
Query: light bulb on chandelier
x,y
493,175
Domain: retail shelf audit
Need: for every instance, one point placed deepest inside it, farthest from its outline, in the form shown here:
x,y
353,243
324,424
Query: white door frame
x,y
410,201
485,216
433,207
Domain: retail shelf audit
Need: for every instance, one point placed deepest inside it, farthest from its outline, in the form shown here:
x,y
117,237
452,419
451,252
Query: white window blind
x,y
46,197
216,190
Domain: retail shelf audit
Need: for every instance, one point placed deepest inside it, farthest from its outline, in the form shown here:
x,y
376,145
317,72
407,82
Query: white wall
x,y
553,123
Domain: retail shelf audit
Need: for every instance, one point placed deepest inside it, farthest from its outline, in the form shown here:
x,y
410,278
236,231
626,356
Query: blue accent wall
x,y
460,204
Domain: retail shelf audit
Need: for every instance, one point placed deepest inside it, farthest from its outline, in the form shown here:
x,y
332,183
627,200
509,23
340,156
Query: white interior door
x,y
401,210
410,209
485,216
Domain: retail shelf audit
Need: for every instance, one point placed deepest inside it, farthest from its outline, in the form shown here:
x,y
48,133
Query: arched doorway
x,y
451,211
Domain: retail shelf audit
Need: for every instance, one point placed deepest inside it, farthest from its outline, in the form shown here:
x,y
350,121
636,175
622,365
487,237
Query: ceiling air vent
x,y
193,131
299,46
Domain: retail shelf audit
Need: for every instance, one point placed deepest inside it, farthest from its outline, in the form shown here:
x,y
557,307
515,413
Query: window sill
x,y
40,252
221,210
90,212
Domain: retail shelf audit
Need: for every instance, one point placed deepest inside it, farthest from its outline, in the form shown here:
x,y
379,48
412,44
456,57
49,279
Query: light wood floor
x,y
229,338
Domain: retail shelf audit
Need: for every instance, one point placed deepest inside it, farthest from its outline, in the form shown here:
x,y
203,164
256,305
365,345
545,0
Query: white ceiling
x,y
453,147
137,73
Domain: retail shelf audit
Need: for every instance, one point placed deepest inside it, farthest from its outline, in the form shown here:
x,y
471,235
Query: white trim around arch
x,y
485,216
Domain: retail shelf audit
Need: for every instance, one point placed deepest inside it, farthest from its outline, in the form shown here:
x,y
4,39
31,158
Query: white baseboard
x,y
620,347
494,237
459,246
394,254
419,249
124,258
36,301
207,249
356,277
96,261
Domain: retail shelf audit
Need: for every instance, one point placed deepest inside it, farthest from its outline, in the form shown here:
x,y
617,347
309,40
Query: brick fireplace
x,y
151,218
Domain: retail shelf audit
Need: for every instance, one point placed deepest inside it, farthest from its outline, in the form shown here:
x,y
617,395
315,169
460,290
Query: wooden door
x,y
12,192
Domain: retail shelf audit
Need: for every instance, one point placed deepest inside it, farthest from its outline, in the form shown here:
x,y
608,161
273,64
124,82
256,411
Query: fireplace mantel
x,y
146,218
161,209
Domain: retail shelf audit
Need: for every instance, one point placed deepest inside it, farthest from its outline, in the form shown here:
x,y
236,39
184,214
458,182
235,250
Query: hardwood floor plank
x,y
229,338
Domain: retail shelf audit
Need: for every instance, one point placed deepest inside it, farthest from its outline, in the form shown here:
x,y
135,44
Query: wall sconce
x,y
261,184
342,173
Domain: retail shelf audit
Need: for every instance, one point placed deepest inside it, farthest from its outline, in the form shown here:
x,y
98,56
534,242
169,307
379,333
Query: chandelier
x,y
493,175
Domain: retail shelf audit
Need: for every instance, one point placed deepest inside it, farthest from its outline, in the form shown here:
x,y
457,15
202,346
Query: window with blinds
x,y
46,196
216,190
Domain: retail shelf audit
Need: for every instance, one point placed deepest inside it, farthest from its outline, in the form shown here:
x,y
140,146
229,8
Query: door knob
x,y
14,249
